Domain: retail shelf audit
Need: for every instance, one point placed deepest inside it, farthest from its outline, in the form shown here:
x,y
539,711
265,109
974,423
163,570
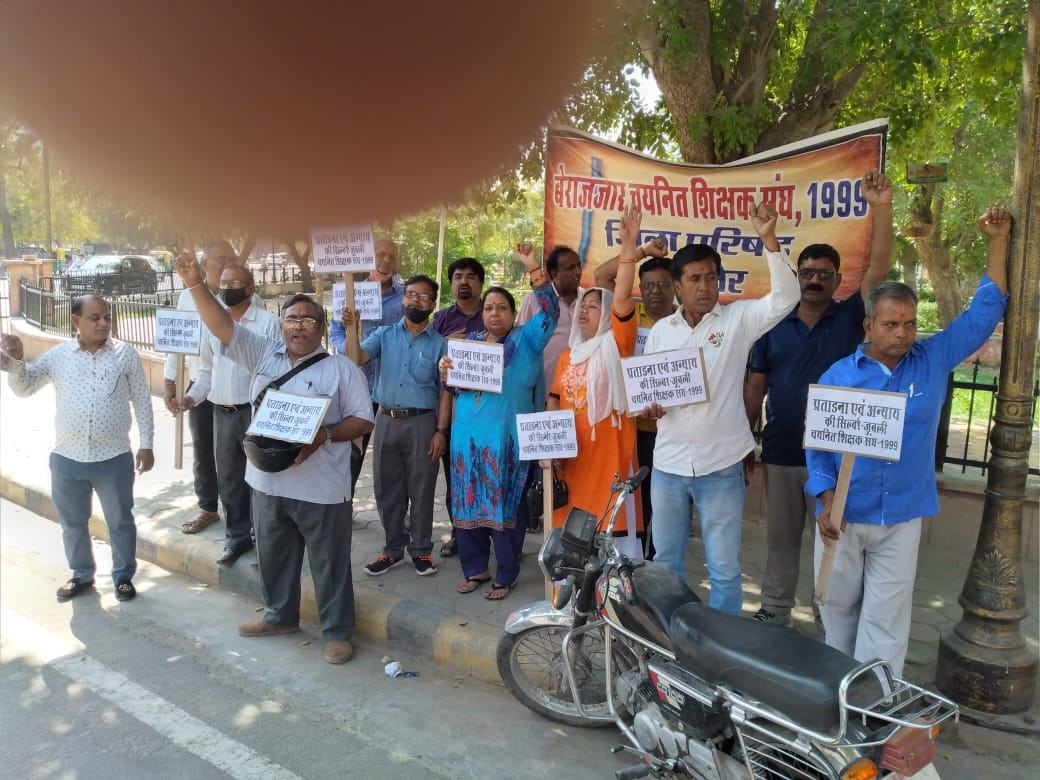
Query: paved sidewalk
x,y
426,615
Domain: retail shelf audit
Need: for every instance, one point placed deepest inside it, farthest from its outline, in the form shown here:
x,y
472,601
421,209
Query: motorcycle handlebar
x,y
633,482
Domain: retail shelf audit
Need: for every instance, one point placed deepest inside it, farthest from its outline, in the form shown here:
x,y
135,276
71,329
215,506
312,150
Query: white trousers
x,y
867,610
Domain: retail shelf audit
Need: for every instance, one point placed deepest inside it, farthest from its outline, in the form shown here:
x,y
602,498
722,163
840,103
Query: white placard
x,y
547,435
478,365
673,378
289,417
348,248
641,336
178,331
860,422
368,299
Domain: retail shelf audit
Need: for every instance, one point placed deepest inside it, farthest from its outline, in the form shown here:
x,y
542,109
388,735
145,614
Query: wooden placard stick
x,y
178,419
353,333
841,493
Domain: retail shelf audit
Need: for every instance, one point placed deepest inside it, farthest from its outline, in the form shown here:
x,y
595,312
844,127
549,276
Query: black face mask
x,y
232,296
415,315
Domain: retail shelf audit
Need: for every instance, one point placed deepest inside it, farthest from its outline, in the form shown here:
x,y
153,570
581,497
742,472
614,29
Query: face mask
x,y
415,315
233,297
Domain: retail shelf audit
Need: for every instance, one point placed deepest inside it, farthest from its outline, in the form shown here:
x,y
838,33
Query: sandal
x,y
202,520
73,588
470,584
449,549
495,588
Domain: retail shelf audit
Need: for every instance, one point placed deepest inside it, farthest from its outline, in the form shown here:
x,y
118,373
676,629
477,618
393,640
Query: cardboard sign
x,y
860,422
478,365
348,248
368,300
547,435
673,378
178,331
289,417
641,336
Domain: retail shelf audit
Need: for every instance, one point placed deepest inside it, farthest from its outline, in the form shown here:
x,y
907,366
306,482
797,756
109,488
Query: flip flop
x,y
450,548
472,583
490,595
202,520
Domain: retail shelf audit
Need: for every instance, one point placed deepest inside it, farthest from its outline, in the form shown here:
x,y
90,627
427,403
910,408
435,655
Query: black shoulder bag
x,y
277,383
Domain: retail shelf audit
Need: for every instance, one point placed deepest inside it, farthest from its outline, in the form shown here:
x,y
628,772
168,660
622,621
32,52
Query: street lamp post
x,y
984,663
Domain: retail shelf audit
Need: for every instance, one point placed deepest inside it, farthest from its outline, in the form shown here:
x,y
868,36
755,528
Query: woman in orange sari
x,y
589,381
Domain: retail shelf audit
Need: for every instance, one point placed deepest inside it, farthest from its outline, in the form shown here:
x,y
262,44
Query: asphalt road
x,y
163,687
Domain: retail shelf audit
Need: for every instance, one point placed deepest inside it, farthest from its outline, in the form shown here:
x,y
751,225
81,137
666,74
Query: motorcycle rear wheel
x,y
531,665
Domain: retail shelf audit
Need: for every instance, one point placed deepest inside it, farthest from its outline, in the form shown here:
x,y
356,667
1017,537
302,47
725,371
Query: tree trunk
x,y
5,220
908,264
926,211
306,277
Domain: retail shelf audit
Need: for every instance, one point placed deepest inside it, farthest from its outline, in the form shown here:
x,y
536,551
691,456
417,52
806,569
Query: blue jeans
x,y
72,483
719,498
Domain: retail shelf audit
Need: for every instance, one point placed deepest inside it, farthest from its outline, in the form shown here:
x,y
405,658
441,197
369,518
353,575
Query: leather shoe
x,y
261,627
338,651
232,552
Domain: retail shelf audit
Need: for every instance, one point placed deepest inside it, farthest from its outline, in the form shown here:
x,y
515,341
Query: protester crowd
x,y
562,347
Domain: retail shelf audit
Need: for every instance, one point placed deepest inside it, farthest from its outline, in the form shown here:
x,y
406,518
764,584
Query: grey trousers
x,y
788,509
229,429
405,478
284,528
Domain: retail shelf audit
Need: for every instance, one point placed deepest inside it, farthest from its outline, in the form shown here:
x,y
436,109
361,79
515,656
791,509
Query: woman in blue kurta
x,y
487,477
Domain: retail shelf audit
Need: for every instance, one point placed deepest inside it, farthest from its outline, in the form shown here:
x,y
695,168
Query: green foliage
x,y
928,315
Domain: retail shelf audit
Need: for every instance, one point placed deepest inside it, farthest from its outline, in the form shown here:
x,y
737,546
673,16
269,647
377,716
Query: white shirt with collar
x,y
699,439
93,393
219,379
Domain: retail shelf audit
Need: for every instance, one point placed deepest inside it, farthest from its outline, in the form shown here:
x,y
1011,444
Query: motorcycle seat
x,y
662,592
781,667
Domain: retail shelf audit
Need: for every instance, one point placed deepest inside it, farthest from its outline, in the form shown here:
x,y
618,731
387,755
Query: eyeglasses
x,y
307,322
821,274
651,286
412,295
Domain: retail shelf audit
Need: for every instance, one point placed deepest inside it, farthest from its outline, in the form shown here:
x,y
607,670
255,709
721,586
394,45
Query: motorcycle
x,y
696,692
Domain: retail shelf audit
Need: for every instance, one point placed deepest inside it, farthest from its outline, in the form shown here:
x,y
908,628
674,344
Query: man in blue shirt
x,y
411,431
868,605
784,362
393,288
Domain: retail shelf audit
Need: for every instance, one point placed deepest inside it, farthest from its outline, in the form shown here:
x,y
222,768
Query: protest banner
x,y
345,249
673,378
814,184
853,422
179,332
477,365
288,417
542,435
368,300
641,336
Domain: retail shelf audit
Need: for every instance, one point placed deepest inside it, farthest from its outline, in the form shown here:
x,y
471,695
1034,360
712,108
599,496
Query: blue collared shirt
x,y
408,377
393,300
794,356
885,492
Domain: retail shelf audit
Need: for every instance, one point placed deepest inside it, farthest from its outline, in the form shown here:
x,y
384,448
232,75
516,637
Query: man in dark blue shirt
x,y
784,362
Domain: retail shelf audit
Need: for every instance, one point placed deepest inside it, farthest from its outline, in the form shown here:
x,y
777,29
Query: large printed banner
x,y
815,185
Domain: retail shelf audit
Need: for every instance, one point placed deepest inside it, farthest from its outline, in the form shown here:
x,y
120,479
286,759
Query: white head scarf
x,y
605,387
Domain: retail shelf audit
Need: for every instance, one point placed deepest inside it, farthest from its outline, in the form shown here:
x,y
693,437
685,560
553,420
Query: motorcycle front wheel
x,y
532,666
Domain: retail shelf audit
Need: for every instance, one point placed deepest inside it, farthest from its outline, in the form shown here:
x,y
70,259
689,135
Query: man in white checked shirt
x,y
96,380
225,385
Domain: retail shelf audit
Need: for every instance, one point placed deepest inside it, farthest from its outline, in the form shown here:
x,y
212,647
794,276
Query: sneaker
x,y
382,565
424,565
765,616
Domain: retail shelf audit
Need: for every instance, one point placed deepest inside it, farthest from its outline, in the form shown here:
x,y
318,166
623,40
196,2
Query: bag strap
x,y
277,383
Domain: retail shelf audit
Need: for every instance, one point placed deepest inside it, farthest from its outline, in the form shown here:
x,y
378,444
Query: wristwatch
x,y
442,430
328,436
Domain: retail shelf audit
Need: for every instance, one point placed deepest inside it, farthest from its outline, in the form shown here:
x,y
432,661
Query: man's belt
x,y
400,414
231,408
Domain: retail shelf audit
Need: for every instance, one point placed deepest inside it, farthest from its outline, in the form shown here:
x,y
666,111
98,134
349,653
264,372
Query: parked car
x,y
113,275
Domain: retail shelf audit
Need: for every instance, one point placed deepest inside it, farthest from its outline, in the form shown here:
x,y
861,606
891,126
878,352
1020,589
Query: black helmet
x,y
270,454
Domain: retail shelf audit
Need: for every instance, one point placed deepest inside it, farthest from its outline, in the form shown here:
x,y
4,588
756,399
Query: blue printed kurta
x,y
487,477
